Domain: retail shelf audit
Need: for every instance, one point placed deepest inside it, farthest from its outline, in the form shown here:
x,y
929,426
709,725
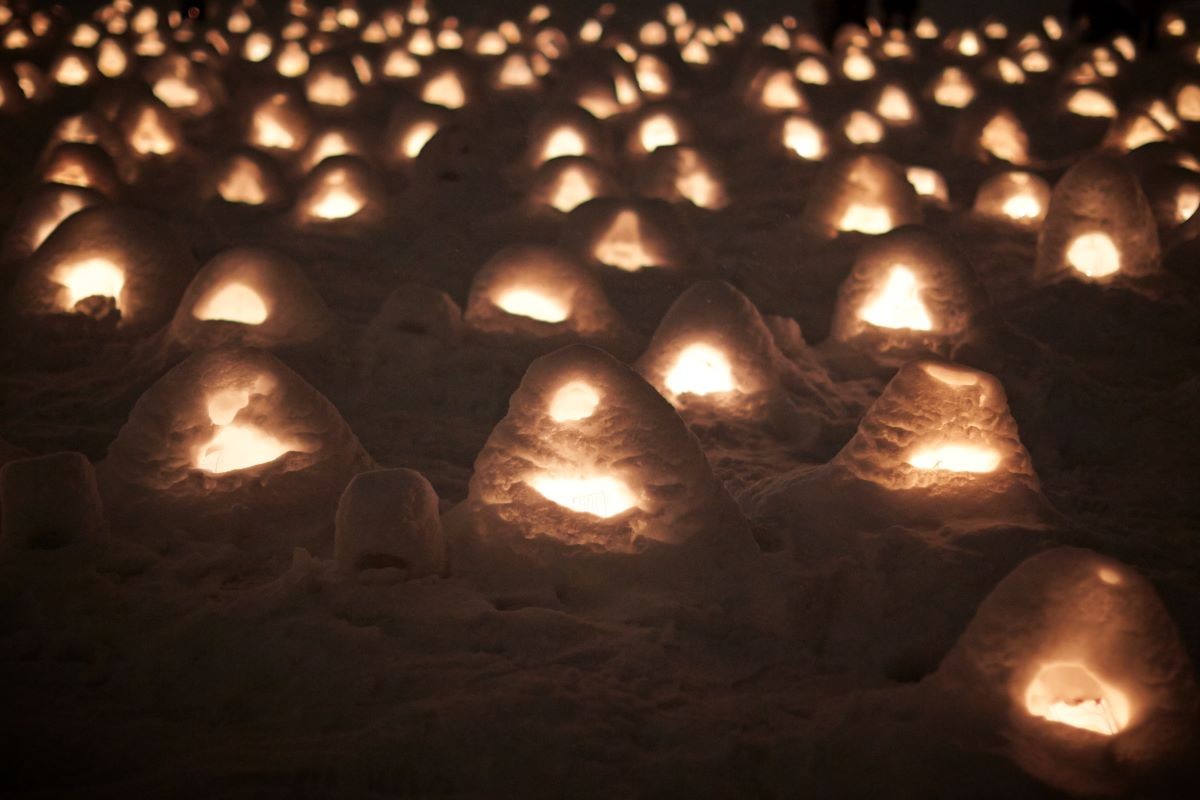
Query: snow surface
x,y
210,645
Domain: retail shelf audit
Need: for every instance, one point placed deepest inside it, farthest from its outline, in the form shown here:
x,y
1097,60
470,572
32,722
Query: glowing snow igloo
x,y
910,292
1099,226
589,454
940,428
231,424
106,261
626,235
278,122
1018,197
567,182
861,193
539,291
248,178
40,214
684,174
713,350
340,189
253,297
83,165
988,132
564,132
190,89
1079,668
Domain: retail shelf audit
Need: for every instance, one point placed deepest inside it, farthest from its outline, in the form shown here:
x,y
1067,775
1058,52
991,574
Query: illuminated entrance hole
x,y
526,302
898,304
574,401
1094,255
869,219
602,496
1071,694
235,446
93,277
701,369
955,458
234,302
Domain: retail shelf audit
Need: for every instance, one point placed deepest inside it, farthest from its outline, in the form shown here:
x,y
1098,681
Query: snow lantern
x,y
340,189
1019,197
40,214
248,177
1080,668
940,429
73,67
291,60
331,81
654,76
775,88
279,122
803,137
569,181
1134,128
861,193
538,291
567,132
184,86
445,85
590,454
231,426
928,183
388,518
1099,226
107,263
995,134
86,166
712,350
1091,102
684,174
410,127
334,140
895,106
910,292
627,235
658,126
87,128
150,129
1173,193
862,128
952,88
252,297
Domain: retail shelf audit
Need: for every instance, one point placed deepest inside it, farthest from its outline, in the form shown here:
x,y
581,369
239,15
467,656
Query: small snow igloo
x,y
40,214
684,174
341,189
539,292
590,454
943,429
1018,197
1079,668
627,235
108,263
566,182
712,350
231,426
253,297
861,193
1099,226
910,292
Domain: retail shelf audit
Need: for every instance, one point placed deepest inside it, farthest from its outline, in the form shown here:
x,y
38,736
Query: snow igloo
x,y
1077,665
910,292
1099,226
230,427
566,182
684,174
252,297
341,189
107,263
589,454
40,214
1018,197
541,292
861,193
627,235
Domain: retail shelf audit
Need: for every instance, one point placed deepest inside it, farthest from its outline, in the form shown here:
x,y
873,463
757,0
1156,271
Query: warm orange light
x,y
328,89
65,205
1094,255
92,277
928,183
953,457
445,90
601,496
805,138
149,137
243,184
898,303
894,105
953,89
417,136
858,66
621,244
1005,139
1022,208
1187,200
700,369
779,92
811,71
657,131
235,447
863,218
564,141
1071,694
1088,102
233,302
335,199
533,303
575,401
573,188
863,127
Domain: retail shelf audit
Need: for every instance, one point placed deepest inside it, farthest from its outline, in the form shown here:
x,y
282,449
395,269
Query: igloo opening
x,y
95,277
1071,694
1019,197
234,302
565,183
861,193
235,446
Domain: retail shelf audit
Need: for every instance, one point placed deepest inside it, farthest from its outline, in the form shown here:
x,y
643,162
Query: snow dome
x,y
712,349
942,429
627,235
568,131
108,263
341,188
910,292
569,181
226,425
150,129
861,193
539,291
40,214
182,85
82,164
656,126
1099,226
248,177
1076,661
253,297
410,127
1019,197
683,174
278,122
331,81
589,454
994,133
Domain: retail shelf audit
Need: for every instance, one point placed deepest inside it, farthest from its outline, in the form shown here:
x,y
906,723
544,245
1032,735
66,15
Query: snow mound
x,y
389,518
861,193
